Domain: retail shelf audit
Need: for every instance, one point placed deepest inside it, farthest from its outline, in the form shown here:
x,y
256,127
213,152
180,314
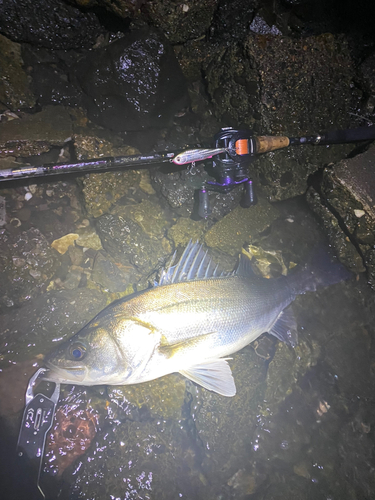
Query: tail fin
x,y
319,273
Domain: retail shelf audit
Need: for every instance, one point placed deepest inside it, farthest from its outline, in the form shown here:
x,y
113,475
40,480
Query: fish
x,y
191,321
193,155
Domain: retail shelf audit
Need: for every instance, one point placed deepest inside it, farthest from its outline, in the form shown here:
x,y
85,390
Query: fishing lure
x,y
193,155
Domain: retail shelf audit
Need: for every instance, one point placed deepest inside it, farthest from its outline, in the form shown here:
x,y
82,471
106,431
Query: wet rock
x,y
3,211
260,26
178,187
356,176
231,20
130,458
145,182
278,434
185,230
14,87
111,275
355,436
123,8
234,88
294,489
191,56
75,426
133,84
285,99
102,190
13,384
245,482
181,21
134,235
223,425
27,265
162,398
100,144
88,238
346,340
280,377
267,262
180,191
49,23
36,133
54,209
266,86
240,226
48,74
344,248
63,243
73,279
367,71
33,330
346,206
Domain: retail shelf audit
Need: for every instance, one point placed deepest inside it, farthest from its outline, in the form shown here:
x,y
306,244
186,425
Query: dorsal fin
x,y
195,263
244,267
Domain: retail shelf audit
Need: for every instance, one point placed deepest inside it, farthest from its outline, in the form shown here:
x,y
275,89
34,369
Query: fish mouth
x,y
68,375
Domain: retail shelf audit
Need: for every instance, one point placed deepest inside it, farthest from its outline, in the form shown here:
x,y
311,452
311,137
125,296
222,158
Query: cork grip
x,y
268,143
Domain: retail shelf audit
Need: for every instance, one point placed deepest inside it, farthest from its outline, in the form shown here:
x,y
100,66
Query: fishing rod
x,y
231,156
94,165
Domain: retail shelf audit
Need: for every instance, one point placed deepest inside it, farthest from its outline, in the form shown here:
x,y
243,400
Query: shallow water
x,y
301,425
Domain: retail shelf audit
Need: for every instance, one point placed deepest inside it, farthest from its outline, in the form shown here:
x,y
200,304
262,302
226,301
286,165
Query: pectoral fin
x,y
214,375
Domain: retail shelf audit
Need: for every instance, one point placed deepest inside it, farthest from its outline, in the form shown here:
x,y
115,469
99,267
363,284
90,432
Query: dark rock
x,y
27,265
134,83
37,133
15,91
367,72
110,275
35,328
223,426
344,248
354,436
49,80
345,203
122,8
180,191
134,236
181,21
48,23
267,86
132,457
232,19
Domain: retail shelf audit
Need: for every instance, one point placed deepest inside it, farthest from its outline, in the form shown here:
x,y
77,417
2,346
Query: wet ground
x,y
300,426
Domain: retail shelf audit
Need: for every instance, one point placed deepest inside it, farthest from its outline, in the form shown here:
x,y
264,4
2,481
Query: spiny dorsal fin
x,y
195,263
244,267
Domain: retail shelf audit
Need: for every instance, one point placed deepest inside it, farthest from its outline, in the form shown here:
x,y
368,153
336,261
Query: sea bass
x,y
190,322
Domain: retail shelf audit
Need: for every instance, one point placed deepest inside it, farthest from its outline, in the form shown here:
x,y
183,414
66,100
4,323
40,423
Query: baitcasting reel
x,y
230,168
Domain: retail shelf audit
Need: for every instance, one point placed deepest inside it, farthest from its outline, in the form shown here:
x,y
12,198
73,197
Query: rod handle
x,y
265,143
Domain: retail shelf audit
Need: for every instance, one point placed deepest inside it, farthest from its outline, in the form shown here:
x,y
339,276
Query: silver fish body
x,y
183,325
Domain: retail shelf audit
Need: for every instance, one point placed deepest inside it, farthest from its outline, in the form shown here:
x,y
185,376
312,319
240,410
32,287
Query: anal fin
x,y
214,375
285,327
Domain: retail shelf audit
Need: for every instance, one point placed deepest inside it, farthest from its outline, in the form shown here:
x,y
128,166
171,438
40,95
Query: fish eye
x,y
77,351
